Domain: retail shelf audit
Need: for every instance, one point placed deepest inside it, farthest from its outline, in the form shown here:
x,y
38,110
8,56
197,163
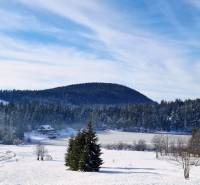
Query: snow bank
x,y
119,168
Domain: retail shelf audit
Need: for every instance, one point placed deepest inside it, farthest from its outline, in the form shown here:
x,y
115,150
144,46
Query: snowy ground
x,y
114,137
119,168
106,137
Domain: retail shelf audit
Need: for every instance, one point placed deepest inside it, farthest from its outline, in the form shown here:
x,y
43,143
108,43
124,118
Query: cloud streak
x,y
113,49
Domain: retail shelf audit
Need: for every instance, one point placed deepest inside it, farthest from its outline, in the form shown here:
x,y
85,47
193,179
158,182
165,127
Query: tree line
x,y
165,116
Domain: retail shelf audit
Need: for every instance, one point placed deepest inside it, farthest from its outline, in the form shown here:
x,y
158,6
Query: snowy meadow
x,y
18,166
119,168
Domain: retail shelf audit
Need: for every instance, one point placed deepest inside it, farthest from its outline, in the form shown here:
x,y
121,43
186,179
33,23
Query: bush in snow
x,y
17,141
120,146
136,146
48,157
141,145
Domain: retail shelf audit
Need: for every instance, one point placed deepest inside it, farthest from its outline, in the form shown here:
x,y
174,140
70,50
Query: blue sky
x,y
149,45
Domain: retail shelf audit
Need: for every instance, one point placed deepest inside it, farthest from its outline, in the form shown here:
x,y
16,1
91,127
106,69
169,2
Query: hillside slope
x,y
80,94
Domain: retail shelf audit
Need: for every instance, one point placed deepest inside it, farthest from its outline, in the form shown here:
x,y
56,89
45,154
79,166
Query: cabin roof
x,y
45,127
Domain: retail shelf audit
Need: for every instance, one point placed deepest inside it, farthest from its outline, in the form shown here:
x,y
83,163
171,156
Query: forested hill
x,y
80,94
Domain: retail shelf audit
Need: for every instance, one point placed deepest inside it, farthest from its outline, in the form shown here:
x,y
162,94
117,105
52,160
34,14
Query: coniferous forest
x,y
166,116
111,106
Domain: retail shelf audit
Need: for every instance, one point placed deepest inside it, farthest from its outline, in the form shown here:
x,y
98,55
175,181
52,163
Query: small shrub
x,y
17,141
141,145
48,157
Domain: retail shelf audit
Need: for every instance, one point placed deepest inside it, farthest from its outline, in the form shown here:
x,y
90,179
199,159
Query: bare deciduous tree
x,y
184,153
157,142
40,151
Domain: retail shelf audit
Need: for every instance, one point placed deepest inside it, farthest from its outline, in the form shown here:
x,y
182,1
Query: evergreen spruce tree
x,y
90,157
76,146
83,152
84,160
68,155
76,152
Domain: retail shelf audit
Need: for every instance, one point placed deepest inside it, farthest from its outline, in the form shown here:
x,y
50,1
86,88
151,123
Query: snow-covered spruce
x,y
83,152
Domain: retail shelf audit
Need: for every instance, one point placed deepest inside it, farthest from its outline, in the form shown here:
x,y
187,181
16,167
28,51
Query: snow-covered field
x,y
119,168
108,137
114,137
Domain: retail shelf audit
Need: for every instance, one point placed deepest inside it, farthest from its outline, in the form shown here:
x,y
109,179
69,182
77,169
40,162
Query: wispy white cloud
x,y
155,64
15,21
42,67
195,3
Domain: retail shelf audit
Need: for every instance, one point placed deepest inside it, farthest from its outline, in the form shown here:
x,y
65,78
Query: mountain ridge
x,y
80,94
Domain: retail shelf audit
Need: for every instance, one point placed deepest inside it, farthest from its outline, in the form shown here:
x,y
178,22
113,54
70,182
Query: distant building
x,y
47,130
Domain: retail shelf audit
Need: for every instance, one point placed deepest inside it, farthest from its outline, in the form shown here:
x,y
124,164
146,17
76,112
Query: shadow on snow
x,y
127,170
